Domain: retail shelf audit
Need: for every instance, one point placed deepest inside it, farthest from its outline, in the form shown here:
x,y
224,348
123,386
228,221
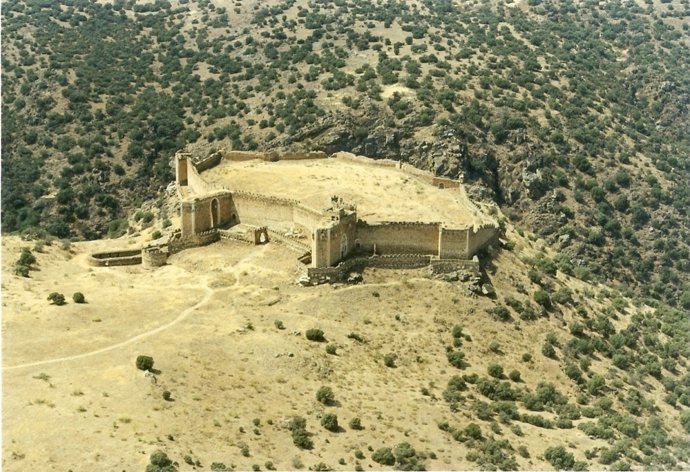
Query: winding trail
x,y
180,317
184,314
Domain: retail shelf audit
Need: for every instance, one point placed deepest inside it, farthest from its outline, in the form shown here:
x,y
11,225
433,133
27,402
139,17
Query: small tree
x,y
78,297
330,422
325,395
144,362
56,298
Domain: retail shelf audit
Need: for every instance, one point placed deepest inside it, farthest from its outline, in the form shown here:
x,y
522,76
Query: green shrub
x,y
300,437
56,298
527,357
144,362
515,376
383,456
473,431
495,370
78,297
332,349
389,360
548,350
160,462
456,359
325,395
596,384
543,298
356,424
559,458
315,335
278,324
330,422
219,466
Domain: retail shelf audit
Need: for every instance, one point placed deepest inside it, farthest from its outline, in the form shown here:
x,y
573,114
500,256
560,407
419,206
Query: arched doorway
x,y
215,213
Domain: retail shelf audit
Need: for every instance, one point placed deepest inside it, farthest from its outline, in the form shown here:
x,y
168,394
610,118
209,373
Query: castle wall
x,y
194,181
200,214
399,238
453,243
196,240
334,242
306,219
116,258
479,237
181,160
209,162
261,210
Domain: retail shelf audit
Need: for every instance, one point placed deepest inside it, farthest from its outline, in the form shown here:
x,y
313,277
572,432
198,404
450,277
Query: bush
x,y
596,384
167,396
330,422
325,395
300,437
527,357
78,297
389,360
383,456
278,324
473,431
56,298
543,298
332,349
315,335
356,424
160,462
515,376
495,370
548,350
456,359
559,458
144,362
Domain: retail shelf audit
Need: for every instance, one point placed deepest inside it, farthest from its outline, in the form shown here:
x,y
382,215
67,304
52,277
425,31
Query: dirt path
x,y
184,314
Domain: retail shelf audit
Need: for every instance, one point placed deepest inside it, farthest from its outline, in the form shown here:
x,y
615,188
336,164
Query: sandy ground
x,y
381,194
73,399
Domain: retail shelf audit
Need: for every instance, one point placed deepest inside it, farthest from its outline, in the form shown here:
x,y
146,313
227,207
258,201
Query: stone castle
x,y
330,241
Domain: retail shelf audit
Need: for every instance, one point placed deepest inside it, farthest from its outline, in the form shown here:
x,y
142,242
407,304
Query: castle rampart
x,y
332,241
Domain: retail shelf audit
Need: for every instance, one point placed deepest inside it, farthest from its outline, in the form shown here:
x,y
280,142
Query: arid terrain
x,y
208,318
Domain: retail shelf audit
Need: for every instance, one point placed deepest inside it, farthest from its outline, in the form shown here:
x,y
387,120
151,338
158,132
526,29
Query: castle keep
x,y
254,197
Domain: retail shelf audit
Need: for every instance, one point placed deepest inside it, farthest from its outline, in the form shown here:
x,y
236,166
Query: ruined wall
x,y
181,167
152,257
208,162
348,156
116,258
453,243
201,213
319,275
442,266
480,237
442,182
260,210
334,242
194,180
398,238
176,245
239,156
306,219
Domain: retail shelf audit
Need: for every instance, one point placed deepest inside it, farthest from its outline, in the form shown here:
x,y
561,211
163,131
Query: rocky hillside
x,y
572,115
